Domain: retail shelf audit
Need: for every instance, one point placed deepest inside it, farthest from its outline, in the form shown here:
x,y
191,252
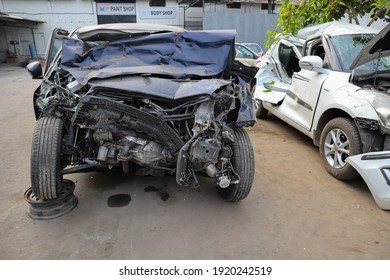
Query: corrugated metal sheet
x,y
251,27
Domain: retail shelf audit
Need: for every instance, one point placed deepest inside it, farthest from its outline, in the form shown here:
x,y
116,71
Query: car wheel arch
x,y
372,140
326,117
340,139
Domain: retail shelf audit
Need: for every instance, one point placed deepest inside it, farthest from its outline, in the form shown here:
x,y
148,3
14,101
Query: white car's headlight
x,y
381,104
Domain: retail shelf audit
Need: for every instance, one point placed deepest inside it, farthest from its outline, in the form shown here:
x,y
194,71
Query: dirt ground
x,y
294,211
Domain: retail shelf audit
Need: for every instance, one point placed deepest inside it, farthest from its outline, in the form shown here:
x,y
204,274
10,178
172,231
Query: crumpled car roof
x,y
88,33
334,28
178,55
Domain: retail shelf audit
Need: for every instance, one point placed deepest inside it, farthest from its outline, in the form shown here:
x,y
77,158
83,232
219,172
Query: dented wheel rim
x,y
336,148
41,209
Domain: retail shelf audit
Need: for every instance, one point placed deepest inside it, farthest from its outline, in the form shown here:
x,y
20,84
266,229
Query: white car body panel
x,y
272,92
306,81
375,170
272,80
337,93
304,110
302,100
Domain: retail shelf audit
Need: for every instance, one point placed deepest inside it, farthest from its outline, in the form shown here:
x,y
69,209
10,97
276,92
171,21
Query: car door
x,y
55,43
303,94
276,71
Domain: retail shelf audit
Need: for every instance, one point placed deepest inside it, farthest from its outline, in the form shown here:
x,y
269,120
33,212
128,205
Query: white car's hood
x,y
379,45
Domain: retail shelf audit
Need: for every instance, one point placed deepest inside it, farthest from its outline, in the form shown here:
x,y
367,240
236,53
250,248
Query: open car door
x,y
55,44
306,87
275,73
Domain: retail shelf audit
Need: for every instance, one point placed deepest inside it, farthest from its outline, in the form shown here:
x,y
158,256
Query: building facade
x,y
26,25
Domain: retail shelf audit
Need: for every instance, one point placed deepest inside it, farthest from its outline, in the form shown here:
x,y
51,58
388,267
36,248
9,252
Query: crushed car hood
x,y
167,89
177,55
378,46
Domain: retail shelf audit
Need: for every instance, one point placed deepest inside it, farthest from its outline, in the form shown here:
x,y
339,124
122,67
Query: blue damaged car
x,y
151,99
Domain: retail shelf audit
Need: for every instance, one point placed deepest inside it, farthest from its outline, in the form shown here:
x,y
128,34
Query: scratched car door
x,y
301,99
302,96
274,76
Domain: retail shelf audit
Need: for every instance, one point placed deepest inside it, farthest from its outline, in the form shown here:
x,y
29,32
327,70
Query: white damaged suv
x,y
331,82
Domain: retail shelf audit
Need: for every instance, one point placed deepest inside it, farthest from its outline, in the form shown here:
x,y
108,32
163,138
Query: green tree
x,y
293,17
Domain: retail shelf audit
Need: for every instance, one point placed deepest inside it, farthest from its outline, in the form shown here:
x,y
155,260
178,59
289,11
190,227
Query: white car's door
x,y
301,98
274,75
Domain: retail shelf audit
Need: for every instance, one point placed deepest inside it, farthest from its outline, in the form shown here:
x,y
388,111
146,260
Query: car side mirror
x,y
313,63
35,69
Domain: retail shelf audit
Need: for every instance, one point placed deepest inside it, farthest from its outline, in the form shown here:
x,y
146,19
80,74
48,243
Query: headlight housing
x,y
381,104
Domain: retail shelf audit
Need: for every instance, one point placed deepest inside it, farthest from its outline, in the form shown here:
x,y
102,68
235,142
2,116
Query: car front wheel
x,y
46,180
339,140
244,165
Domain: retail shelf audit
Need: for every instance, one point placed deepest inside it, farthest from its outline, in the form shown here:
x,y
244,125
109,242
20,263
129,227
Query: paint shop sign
x,y
158,12
115,9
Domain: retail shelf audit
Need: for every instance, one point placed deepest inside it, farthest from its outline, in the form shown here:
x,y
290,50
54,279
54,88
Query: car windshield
x,y
347,47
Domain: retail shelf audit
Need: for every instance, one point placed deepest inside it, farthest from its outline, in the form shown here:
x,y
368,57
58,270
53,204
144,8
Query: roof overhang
x,y
15,21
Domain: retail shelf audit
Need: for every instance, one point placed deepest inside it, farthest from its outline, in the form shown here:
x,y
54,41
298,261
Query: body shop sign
x,y
115,8
158,12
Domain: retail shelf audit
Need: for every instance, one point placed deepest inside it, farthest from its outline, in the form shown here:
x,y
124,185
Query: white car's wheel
x,y
339,140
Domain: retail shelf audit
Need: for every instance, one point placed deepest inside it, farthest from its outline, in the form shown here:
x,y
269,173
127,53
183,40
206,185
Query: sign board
x,y
115,9
157,13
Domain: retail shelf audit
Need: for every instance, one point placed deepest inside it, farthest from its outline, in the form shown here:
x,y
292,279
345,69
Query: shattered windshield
x,y
347,47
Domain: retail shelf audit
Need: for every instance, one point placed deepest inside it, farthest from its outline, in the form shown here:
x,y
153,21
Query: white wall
x,y
67,14
245,8
70,14
161,15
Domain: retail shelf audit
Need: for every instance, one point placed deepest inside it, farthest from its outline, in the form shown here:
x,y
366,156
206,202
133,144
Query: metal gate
x,y
251,27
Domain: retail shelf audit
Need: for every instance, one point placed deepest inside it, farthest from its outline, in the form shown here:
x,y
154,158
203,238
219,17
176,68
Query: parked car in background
x,y
246,55
323,83
153,99
255,48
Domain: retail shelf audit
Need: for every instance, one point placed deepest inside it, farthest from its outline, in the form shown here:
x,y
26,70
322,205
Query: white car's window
x,y
347,47
254,47
288,59
244,52
317,48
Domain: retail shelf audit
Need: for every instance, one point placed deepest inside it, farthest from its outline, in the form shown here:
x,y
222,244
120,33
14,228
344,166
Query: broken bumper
x,y
374,168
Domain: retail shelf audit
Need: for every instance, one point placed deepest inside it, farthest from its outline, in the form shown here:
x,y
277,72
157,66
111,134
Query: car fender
x,y
344,97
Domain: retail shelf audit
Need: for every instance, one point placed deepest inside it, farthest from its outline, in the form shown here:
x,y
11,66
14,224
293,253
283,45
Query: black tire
x,y
46,180
334,153
261,112
244,165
